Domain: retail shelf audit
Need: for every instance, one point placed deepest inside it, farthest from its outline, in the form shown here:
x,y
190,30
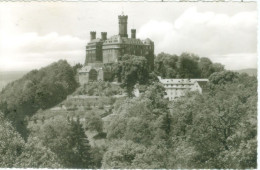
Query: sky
x,y
35,34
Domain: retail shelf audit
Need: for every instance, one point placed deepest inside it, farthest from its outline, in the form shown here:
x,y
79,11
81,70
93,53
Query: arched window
x,y
93,75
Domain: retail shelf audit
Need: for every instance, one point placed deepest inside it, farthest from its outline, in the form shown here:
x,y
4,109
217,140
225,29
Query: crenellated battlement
x,y
105,49
92,35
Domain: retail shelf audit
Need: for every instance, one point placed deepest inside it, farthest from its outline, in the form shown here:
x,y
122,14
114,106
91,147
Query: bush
x,y
94,122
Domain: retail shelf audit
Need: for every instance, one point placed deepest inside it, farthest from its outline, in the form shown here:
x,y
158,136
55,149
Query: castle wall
x,y
111,53
100,74
83,77
99,52
94,53
90,56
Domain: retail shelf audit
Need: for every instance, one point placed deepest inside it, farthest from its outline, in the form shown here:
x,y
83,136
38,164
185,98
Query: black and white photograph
x,y
128,84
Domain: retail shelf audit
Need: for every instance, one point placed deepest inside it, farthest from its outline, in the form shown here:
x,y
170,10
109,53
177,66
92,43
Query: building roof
x,y
182,81
124,40
132,41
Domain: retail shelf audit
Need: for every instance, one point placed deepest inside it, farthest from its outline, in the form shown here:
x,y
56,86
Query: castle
x,y
104,51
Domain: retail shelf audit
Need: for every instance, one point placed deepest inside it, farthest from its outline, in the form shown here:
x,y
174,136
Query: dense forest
x,y
39,89
215,129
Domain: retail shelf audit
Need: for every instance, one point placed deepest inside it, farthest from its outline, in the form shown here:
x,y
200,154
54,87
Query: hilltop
x,y
101,125
9,76
249,71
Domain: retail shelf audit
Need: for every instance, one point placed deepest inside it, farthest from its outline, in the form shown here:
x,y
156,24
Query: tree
x,y
76,67
217,67
185,66
121,154
155,93
38,89
79,143
154,157
135,118
223,77
117,127
205,66
131,70
243,152
67,140
188,66
11,145
220,127
97,154
166,65
35,155
94,122
139,131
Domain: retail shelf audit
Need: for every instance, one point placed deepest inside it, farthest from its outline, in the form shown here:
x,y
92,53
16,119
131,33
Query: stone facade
x,y
176,88
103,50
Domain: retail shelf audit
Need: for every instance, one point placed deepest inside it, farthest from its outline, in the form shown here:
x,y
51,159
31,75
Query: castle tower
x,y
104,35
92,35
133,33
122,25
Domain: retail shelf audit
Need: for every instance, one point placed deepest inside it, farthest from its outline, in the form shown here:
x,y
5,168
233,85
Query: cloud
x,y
25,41
207,34
30,50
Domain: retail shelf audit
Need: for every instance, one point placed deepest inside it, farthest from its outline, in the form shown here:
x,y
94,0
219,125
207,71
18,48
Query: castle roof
x,y
131,41
125,40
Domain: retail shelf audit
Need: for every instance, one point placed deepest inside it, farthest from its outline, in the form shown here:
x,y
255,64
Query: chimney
x,y
92,35
133,33
104,35
122,19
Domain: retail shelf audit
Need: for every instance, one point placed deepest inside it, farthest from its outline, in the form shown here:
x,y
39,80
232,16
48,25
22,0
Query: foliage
x,y
35,155
11,144
76,67
218,124
14,152
82,156
185,66
188,66
121,154
39,89
67,140
94,122
216,129
135,118
97,154
223,77
131,70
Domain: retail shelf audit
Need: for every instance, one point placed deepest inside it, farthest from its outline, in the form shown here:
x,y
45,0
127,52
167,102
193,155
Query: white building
x,y
175,88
